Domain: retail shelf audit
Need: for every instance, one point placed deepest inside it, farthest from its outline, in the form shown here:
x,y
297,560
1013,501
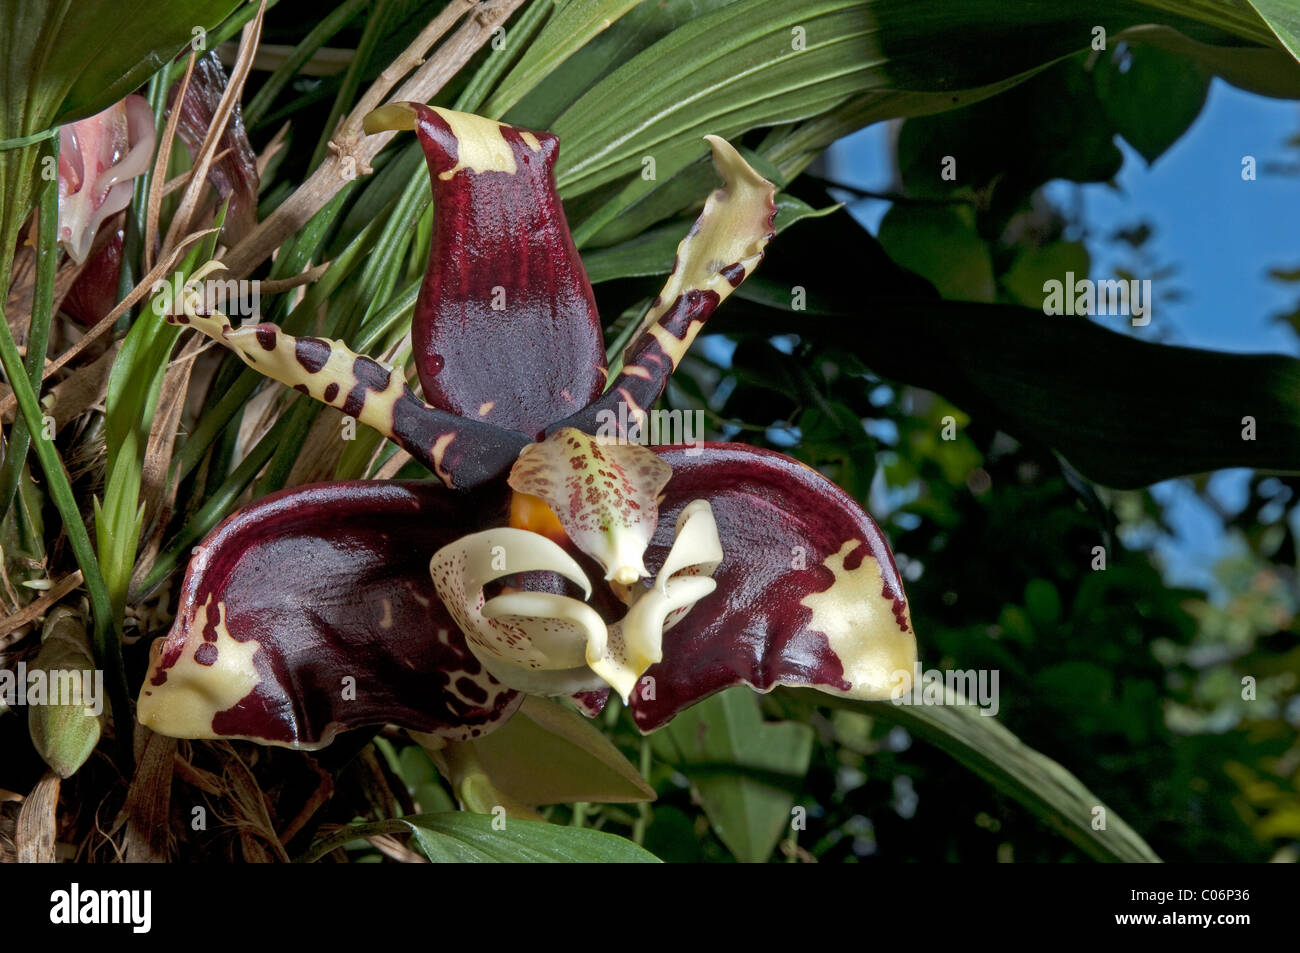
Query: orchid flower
x,y
550,556
98,158
101,156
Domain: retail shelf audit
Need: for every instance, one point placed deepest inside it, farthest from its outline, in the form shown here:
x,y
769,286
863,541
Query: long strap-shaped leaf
x,y
753,63
1050,792
460,837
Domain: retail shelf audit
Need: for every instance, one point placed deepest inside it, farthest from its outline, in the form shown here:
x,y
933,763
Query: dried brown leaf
x,y
38,822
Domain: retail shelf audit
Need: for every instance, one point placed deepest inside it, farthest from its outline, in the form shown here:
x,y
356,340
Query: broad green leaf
x,y
1150,96
743,72
572,26
939,243
67,59
646,23
1268,71
645,201
793,148
1238,17
752,65
1034,267
964,149
1123,411
1008,53
745,770
1049,791
459,837
1283,18
547,754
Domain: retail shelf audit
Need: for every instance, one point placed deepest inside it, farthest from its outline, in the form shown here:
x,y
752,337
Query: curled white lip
x,y
550,644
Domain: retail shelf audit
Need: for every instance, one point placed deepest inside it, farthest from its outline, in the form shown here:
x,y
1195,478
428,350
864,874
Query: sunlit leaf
x,y
482,838
745,770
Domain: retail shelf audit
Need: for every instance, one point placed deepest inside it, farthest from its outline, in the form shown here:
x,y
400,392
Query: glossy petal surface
x,y
807,591
312,611
94,292
505,328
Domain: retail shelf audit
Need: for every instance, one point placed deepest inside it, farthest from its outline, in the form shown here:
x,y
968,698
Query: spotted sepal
x,y
807,593
312,611
505,327
723,247
461,453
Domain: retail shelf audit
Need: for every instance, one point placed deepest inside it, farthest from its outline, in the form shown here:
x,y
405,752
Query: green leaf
x,y
1049,791
1266,71
420,775
1125,412
672,837
745,770
38,326
640,206
644,24
1150,96
474,838
547,754
1043,602
939,243
1283,18
743,72
752,65
573,25
1034,267
965,149
77,57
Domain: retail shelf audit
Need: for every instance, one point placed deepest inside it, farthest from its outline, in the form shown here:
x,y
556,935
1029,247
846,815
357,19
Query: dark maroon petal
x,y
505,329
94,293
312,611
234,175
807,592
